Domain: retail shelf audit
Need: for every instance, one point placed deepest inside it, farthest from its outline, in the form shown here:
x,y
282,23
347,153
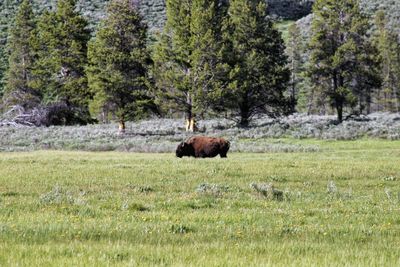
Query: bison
x,y
203,147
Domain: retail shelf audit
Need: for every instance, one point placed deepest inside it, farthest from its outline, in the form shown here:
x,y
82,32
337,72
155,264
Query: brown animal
x,y
203,147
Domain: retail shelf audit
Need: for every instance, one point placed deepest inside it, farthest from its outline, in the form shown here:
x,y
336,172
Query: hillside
x,y
153,10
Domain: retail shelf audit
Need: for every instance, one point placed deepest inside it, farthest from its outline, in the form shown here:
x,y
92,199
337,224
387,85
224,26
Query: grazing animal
x,y
203,147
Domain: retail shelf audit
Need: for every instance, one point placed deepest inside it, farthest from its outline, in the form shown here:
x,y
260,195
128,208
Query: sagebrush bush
x,y
268,191
211,189
59,195
163,135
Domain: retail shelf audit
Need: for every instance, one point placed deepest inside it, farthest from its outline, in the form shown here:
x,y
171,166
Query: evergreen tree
x,y
21,59
295,51
343,62
118,63
254,62
186,53
386,41
172,68
206,41
3,68
7,13
61,43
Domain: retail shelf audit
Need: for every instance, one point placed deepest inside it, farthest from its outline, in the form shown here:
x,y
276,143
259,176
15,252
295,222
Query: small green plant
x,y
133,206
179,229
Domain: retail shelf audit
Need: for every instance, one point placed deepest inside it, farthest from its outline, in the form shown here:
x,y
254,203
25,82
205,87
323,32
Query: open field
x,y
340,206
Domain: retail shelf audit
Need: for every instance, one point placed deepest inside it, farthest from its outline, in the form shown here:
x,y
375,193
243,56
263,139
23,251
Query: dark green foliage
x,y
195,74
21,59
253,61
7,12
343,63
172,59
207,17
118,63
186,55
93,10
61,44
3,68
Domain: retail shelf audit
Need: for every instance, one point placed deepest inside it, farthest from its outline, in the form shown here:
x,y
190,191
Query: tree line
x,y
213,58
347,63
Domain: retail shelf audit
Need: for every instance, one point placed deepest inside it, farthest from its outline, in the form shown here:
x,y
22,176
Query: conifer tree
x,y
21,59
186,55
389,52
254,62
295,51
61,43
118,63
343,62
206,40
7,13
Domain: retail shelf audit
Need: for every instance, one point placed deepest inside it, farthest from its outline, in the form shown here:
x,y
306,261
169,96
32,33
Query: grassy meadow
x,y
340,207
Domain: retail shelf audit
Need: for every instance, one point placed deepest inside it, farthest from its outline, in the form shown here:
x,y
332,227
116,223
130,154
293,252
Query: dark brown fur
x,y
203,147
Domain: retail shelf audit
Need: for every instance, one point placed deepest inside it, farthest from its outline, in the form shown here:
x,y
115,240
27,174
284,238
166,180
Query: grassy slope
x,y
283,27
121,208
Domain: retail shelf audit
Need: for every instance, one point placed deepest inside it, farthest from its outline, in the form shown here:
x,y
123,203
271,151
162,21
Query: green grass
x,y
101,209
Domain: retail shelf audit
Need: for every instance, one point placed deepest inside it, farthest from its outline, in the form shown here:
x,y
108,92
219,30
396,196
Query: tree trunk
x,y
310,99
338,99
368,103
121,127
293,95
244,113
339,108
190,121
244,122
244,117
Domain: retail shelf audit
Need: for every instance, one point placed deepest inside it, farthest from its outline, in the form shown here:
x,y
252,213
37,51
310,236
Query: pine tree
x,y
295,51
206,41
185,55
254,62
8,9
3,68
343,62
389,52
21,59
172,64
61,43
118,63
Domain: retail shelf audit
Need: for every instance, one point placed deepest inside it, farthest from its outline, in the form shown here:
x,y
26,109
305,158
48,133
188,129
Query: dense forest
x,y
76,62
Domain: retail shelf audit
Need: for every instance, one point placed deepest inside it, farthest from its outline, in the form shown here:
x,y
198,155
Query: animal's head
x,y
184,149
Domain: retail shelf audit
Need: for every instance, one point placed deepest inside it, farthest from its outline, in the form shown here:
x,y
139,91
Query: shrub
x,y
268,191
